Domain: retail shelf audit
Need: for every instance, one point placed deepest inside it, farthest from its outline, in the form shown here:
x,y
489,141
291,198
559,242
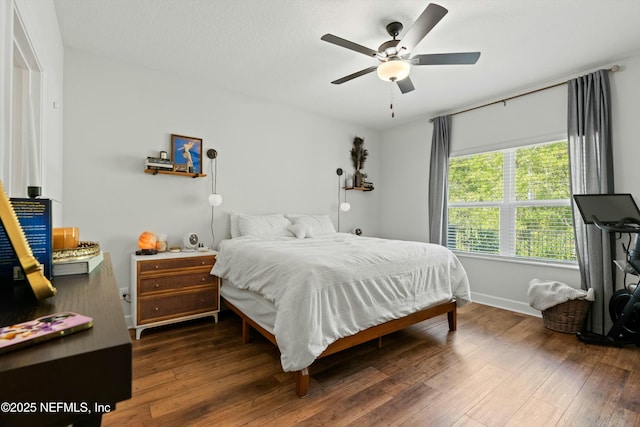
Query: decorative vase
x,y
357,179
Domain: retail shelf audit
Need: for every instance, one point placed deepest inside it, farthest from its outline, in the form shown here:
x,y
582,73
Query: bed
x,y
313,292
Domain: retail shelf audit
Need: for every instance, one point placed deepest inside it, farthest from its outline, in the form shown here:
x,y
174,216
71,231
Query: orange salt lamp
x,y
147,240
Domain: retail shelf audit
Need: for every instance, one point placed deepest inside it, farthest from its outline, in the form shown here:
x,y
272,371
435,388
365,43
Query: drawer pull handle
x,y
157,309
202,300
157,285
157,266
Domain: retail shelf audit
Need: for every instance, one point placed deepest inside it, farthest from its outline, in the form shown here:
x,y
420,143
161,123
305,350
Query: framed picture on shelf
x,y
187,152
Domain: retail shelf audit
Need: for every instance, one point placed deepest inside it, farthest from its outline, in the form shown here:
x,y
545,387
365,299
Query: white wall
x,y
523,120
405,181
625,89
41,25
270,158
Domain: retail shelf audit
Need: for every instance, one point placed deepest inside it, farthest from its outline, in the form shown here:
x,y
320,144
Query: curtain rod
x,y
613,69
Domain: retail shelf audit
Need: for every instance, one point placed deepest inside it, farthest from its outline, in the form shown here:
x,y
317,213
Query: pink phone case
x,y
44,328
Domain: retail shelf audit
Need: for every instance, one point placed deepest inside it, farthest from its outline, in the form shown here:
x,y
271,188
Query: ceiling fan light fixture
x,y
393,70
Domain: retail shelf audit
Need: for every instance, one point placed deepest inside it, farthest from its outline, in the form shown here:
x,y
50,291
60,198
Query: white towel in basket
x,y
544,294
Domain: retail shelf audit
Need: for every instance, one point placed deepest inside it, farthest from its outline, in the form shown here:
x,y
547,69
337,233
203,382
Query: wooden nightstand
x,y
173,287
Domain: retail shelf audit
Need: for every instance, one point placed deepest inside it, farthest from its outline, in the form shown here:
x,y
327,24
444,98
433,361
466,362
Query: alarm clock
x,y
190,241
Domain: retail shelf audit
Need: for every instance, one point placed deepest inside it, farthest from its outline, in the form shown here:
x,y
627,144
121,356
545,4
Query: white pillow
x,y
320,224
302,230
264,225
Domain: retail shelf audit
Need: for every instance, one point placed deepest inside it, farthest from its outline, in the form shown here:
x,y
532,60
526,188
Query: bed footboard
x,y
302,376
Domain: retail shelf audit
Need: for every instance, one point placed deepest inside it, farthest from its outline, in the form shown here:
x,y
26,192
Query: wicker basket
x,y
567,317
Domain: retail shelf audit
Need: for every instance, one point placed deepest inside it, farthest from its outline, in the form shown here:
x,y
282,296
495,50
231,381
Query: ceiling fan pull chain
x,y
393,114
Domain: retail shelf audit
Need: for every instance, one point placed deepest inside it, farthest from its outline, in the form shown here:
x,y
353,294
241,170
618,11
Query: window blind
x,y
513,202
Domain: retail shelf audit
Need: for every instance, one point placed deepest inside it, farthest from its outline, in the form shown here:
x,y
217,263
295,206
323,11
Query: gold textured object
x,y
41,286
84,250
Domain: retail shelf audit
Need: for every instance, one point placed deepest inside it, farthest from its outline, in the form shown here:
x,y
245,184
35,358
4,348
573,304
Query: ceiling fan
x,y
394,55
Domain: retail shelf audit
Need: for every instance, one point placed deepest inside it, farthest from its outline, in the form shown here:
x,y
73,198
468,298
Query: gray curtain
x,y
591,167
438,174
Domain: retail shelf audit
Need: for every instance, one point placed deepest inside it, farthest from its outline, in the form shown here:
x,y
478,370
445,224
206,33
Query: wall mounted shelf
x,y
359,188
168,172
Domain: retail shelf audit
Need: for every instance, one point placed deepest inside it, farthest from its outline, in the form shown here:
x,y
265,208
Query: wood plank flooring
x,y
498,369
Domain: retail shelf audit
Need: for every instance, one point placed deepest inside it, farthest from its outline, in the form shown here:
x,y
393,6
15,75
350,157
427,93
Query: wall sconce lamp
x,y
215,199
344,206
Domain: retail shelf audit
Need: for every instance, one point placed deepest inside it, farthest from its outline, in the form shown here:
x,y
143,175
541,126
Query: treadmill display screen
x,y
608,208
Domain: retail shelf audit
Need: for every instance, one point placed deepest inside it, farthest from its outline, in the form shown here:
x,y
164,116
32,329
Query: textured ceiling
x,y
271,49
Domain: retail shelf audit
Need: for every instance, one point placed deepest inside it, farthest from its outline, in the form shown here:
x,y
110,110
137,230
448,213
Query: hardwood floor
x,y
499,368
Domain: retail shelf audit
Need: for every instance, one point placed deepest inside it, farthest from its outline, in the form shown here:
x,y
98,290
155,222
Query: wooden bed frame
x,y
302,377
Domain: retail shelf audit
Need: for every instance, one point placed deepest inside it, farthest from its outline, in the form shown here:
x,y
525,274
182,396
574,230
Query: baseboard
x,y
507,304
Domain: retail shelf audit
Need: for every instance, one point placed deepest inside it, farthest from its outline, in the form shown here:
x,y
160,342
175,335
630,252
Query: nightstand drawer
x,y
176,263
155,308
165,283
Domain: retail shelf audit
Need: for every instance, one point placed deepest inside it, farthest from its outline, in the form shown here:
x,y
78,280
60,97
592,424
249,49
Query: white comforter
x,y
337,285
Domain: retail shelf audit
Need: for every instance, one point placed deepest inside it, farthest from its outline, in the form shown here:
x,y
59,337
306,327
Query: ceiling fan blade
x,y
405,85
446,58
354,75
348,44
425,23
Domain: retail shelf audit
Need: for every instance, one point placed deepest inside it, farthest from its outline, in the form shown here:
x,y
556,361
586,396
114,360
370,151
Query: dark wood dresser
x,y
73,379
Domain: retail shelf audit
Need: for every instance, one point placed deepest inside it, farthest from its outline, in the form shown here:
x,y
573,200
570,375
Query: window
x,y
513,203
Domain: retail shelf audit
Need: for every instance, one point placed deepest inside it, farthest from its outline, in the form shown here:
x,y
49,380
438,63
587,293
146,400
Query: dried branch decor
x,y
358,153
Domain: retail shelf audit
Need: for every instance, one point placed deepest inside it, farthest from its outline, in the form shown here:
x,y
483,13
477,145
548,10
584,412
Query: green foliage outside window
x,y
532,202
542,172
545,232
476,178
474,230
